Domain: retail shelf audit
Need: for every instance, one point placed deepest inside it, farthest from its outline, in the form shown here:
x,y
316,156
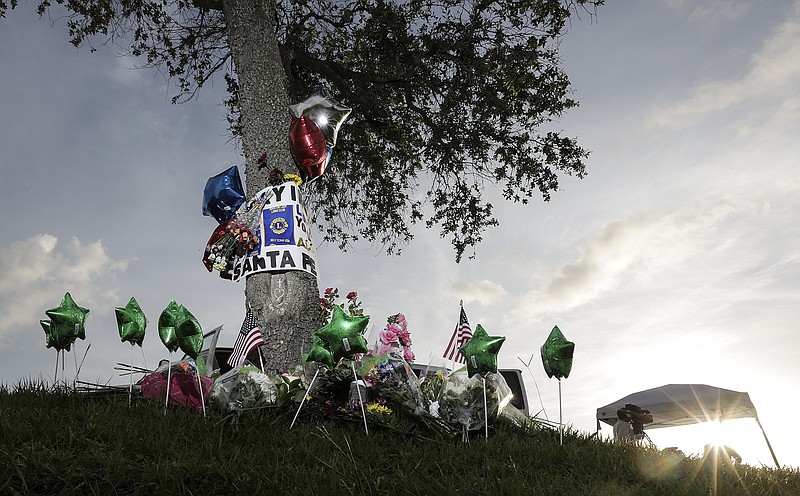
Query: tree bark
x,y
285,304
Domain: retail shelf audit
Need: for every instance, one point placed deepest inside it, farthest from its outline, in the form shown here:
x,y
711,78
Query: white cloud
x,y
714,13
484,292
773,71
36,274
638,248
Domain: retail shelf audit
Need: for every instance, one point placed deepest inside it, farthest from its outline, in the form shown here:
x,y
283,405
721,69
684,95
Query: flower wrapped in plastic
x,y
331,391
234,238
389,376
184,384
243,388
396,338
290,386
432,386
461,399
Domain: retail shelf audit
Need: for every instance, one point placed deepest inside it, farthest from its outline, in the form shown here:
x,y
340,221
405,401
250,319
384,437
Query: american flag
x,y
461,334
248,339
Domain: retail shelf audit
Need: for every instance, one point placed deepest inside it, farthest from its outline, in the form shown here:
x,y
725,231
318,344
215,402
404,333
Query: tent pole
x,y
768,443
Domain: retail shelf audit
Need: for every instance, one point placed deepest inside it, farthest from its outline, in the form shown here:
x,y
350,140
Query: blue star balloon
x,y
223,195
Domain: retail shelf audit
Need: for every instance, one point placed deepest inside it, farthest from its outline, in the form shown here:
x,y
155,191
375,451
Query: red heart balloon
x,y
308,146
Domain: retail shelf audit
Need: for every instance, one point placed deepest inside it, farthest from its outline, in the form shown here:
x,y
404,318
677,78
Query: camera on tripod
x,y
638,418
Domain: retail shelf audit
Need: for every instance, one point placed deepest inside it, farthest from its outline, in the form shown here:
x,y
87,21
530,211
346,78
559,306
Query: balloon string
x,y
485,410
308,390
560,421
360,400
202,400
130,381
55,374
143,358
169,379
75,356
541,403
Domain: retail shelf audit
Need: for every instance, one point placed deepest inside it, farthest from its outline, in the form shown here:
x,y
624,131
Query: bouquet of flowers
x,y
184,384
243,388
458,399
331,391
395,338
234,238
388,376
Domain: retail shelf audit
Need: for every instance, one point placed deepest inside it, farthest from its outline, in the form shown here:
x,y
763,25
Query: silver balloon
x,y
323,111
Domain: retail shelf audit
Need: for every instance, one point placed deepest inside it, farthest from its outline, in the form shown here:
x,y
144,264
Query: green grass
x,y
63,442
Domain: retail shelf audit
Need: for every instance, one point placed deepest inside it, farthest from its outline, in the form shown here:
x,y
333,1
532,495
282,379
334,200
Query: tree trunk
x,y
285,304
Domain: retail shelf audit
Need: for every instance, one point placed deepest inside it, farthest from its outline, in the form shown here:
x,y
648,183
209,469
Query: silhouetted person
x,y
622,428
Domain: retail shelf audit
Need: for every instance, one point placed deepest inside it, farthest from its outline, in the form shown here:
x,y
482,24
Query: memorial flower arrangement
x,y
376,385
247,388
395,338
243,388
380,385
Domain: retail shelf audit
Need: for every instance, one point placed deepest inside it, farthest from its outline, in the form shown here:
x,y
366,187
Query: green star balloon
x,y
320,354
131,322
189,333
344,334
66,324
481,352
167,326
178,328
47,325
557,354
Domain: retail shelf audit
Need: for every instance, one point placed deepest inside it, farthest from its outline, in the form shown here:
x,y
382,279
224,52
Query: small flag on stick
x,y
461,334
248,339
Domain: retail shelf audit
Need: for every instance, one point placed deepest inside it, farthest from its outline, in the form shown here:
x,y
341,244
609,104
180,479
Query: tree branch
x,y
208,4
324,67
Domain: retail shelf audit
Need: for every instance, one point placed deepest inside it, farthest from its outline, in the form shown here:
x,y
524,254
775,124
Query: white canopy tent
x,y
683,404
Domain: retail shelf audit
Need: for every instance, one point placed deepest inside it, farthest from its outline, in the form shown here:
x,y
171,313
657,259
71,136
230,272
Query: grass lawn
x,y
65,442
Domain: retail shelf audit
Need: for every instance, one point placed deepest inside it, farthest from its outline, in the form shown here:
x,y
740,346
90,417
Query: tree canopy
x,y
447,96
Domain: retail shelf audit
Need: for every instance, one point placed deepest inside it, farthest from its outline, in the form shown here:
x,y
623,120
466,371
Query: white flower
x,y
434,408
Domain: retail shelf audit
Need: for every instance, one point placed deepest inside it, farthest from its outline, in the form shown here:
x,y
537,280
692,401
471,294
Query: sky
x,y
675,260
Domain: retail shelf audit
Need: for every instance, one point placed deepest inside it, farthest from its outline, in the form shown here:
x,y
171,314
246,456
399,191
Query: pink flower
x,y
396,329
405,337
328,291
408,354
388,336
401,320
352,295
384,348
